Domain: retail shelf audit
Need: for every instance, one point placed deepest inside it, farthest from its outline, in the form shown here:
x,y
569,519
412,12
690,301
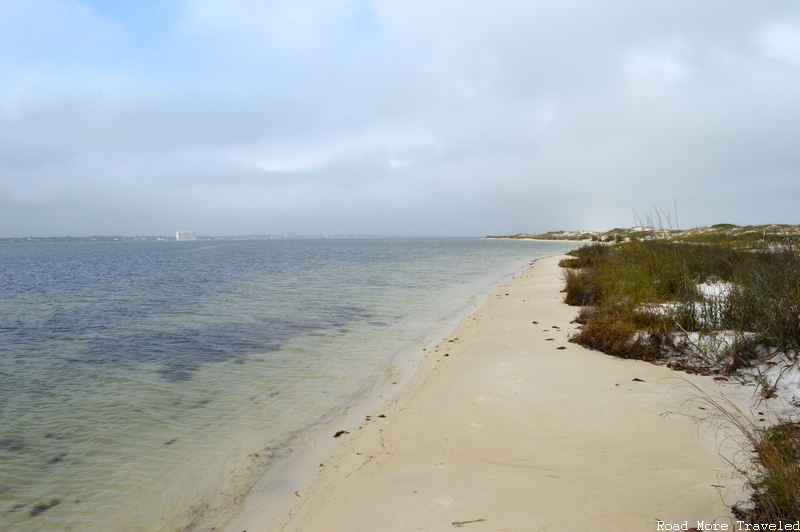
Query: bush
x,y
622,279
769,463
586,256
582,289
776,483
615,335
636,295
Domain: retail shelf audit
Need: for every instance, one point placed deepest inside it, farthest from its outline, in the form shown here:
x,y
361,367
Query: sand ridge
x,y
508,427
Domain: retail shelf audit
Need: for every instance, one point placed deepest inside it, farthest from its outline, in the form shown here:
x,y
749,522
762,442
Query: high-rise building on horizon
x,y
185,235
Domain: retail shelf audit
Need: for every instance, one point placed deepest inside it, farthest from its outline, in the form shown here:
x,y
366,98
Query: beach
x,y
150,385
505,425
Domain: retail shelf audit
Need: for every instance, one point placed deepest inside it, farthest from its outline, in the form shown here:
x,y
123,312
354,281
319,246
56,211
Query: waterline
x,y
145,386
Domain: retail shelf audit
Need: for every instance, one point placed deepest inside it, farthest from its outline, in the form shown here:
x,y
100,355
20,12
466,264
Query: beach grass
x,y
661,226
655,288
670,302
768,462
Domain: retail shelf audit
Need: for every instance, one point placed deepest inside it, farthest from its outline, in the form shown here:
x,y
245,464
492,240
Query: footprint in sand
x,y
441,501
473,427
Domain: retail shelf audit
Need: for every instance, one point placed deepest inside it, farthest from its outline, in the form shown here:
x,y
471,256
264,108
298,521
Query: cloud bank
x,y
428,118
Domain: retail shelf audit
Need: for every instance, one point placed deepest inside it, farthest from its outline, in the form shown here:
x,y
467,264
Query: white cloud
x,y
661,66
436,116
781,42
295,155
272,28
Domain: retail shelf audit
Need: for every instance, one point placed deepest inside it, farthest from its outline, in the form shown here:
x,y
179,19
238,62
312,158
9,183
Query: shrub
x,y
615,335
776,482
622,279
769,461
585,256
636,294
582,289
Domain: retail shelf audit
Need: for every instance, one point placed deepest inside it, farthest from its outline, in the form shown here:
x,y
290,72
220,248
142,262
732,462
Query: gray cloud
x,y
380,117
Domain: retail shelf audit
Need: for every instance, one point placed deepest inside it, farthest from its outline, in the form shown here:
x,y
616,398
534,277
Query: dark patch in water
x,y
344,312
10,444
56,459
182,352
170,442
40,508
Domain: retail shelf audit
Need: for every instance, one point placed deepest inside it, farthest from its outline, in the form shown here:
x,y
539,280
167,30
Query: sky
x,y
434,117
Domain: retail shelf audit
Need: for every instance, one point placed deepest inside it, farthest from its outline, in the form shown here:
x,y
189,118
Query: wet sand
x,y
505,426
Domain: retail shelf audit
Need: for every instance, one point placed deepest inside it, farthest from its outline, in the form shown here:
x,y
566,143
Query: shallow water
x,y
143,386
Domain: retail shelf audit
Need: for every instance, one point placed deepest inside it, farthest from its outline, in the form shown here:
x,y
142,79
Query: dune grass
x,y
641,290
768,463
662,225
639,298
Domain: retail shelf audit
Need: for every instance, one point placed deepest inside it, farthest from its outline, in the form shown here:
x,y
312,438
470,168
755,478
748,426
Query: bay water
x,y
145,386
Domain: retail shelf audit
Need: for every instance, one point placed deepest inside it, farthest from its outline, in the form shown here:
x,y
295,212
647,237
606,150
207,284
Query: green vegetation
x,y
776,483
749,235
769,464
706,307
656,289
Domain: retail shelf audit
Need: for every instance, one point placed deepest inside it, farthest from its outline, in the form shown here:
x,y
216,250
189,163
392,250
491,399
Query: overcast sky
x,y
425,117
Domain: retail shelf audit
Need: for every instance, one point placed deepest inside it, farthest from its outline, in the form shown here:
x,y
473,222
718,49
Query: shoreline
x,y
294,462
496,426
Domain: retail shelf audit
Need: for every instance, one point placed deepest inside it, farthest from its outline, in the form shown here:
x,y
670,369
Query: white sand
x,y
510,430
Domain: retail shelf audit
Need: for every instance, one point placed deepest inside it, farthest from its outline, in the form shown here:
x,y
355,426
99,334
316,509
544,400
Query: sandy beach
x,y
506,426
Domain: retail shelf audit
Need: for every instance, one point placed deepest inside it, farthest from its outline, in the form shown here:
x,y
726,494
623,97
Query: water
x,y
144,386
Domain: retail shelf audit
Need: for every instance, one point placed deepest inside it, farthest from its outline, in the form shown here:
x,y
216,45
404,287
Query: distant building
x,y
290,235
185,235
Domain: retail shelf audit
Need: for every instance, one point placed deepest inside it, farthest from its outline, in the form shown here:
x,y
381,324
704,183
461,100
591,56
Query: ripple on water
x,y
147,386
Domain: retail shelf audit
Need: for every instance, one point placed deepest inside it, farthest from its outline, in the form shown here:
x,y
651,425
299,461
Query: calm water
x,y
143,385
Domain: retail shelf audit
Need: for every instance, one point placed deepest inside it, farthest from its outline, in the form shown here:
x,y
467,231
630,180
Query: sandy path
x,y
501,430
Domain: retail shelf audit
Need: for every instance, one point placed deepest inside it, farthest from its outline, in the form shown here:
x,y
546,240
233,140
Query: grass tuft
x,y
768,462
776,484
655,287
617,336
703,308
